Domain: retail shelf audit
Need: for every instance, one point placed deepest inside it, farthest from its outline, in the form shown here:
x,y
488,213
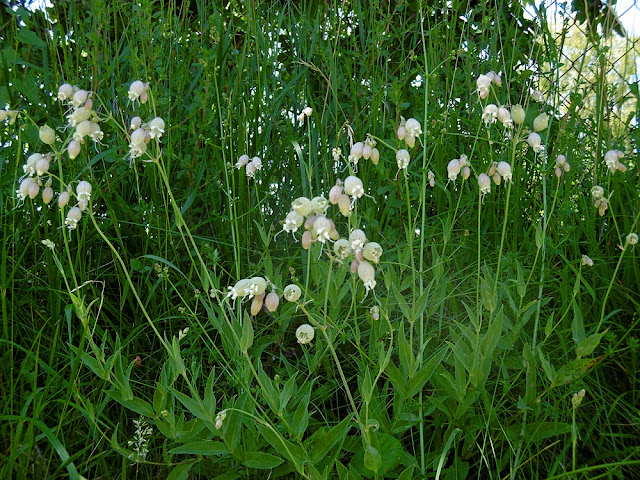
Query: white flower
x,y
319,205
518,114
484,182
403,158
537,96
587,261
322,229
23,189
73,217
239,290
632,238
357,238
356,152
307,111
413,128
597,192
42,166
504,169
256,286
302,206
156,127
504,116
47,135
49,244
336,154
495,78
372,251
135,123
257,163
136,89
63,199
79,98
80,114
83,191
353,187
453,169
367,274
243,161
251,170
540,122
535,142
483,83
489,114
292,293
305,334
220,418
293,222
65,92
342,248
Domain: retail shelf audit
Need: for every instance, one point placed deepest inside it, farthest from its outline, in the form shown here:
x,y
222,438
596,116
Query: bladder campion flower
x,y
63,199
367,274
541,122
272,301
65,92
353,187
292,292
73,148
432,178
305,334
220,418
403,158
489,114
47,135
535,142
357,238
453,169
47,195
156,127
79,98
344,204
372,251
137,91
322,227
484,182
612,160
632,238
342,248
302,206
73,217
483,83
319,205
587,261
242,161
504,169
335,193
537,96
518,114
135,123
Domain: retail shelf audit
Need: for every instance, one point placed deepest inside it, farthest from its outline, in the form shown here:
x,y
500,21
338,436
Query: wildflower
x,y
375,312
135,123
272,301
47,195
251,170
466,173
489,114
356,152
453,169
319,205
307,111
576,400
136,90
353,187
256,304
336,154
402,132
432,178
79,98
561,165
47,135
73,217
484,182
307,239
23,189
342,248
83,191
292,292
597,192
504,169
357,238
220,418
321,228
403,158
293,222
495,78
65,92
239,290
505,117
367,273
87,128
48,243
372,251
344,204
375,156
63,199
587,261
335,193
73,148
483,83
256,286
632,238
80,114
242,162
518,114
302,206
156,127
612,160
305,334
535,142
496,178
42,166
30,167
540,122
412,131
34,189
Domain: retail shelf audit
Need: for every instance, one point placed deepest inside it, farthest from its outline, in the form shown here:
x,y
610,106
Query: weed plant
x,y
297,239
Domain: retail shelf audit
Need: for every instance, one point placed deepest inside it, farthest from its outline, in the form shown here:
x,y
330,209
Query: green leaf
x,y
424,374
372,459
180,471
205,448
261,460
549,371
30,38
195,407
247,334
589,344
577,325
328,440
573,370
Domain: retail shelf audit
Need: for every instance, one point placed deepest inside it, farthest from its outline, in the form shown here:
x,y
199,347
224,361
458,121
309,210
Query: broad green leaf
x,y
589,344
247,334
261,460
30,38
577,325
328,440
180,471
416,383
372,459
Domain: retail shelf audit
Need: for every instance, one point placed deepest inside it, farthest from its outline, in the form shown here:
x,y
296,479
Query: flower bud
x,y
292,293
335,193
47,135
558,172
496,178
518,114
410,141
466,173
366,152
576,400
375,156
305,334
356,151
73,149
307,239
587,261
135,123
272,301
256,304
144,97
354,265
63,199
47,195
34,189
88,104
541,122
344,204
401,132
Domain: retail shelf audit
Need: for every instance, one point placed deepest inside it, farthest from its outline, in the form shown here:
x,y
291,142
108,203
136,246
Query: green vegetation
x,y
148,330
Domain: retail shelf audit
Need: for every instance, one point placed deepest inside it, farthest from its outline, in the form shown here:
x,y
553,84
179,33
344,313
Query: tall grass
x,y
122,356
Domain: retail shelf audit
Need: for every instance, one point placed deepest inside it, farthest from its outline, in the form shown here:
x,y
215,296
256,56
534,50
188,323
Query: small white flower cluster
x,y
306,112
252,165
362,250
496,173
458,166
83,194
483,83
408,131
81,117
142,134
255,288
140,440
599,200
138,91
632,239
576,399
587,261
9,115
612,160
366,150
432,178
561,165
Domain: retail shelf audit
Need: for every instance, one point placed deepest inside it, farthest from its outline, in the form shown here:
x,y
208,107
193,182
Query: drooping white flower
x,y
353,187
136,90
367,274
342,248
156,127
73,217
302,206
518,114
483,84
484,182
243,161
357,238
453,169
489,114
504,169
305,334
292,292
535,142
403,158
372,251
